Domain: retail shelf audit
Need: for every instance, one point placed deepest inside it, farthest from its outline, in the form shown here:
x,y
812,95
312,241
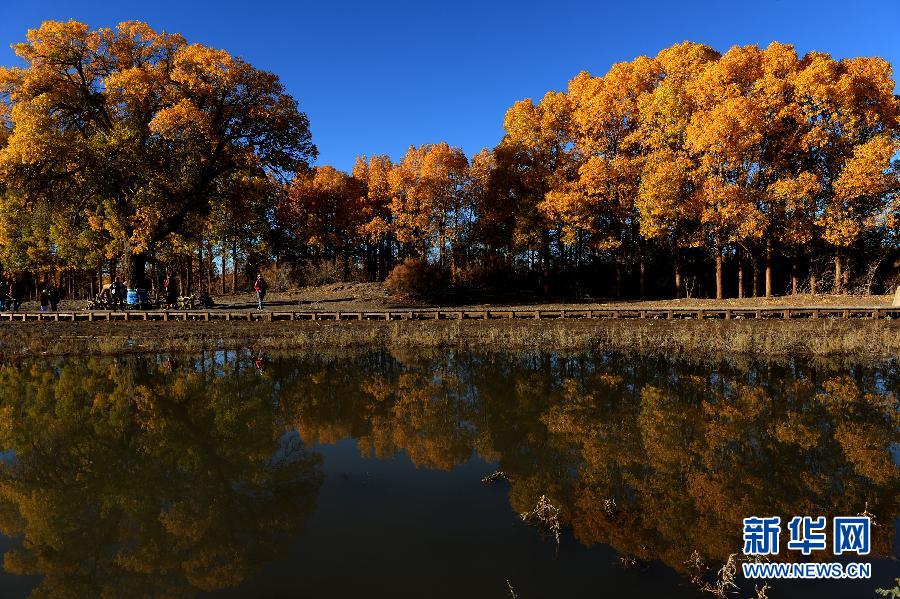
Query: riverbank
x,y
861,340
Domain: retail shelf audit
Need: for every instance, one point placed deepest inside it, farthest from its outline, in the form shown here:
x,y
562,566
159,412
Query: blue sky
x,y
377,76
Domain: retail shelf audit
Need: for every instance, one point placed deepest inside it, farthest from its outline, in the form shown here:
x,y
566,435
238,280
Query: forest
x,y
134,153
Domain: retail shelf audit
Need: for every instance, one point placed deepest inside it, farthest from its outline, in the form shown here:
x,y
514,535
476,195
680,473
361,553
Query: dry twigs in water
x,y
546,516
494,477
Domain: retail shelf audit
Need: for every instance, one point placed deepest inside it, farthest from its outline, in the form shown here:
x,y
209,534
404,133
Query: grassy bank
x,y
863,340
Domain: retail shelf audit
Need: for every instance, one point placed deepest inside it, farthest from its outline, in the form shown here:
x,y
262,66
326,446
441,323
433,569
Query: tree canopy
x,y
134,134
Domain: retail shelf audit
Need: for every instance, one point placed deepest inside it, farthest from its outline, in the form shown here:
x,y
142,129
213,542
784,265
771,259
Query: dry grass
x,y
854,339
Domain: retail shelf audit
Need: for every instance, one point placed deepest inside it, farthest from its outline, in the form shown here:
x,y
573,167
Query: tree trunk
x,y
838,274
209,268
135,268
677,275
794,282
755,276
642,277
768,268
190,274
200,266
234,267
618,276
720,292
222,264
812,280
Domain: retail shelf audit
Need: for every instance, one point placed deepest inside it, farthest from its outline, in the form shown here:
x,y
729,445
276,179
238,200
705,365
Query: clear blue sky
x,y
377,76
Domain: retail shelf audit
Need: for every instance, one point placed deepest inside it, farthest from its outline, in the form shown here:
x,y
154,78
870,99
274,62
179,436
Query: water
x,y
237,474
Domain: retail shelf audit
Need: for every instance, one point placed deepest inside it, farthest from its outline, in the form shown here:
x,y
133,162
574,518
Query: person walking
x,y
260,287
54,298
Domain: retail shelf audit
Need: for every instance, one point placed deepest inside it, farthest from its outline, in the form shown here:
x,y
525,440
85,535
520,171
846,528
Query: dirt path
x,y
351,297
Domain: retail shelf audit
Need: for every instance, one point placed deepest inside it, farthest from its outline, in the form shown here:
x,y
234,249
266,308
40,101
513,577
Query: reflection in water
x,y
131,480
146,474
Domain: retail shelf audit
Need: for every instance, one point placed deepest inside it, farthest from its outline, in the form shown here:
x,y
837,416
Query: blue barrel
x,y
137,297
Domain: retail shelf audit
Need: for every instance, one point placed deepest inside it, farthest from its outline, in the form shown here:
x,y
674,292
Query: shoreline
x,y
849,340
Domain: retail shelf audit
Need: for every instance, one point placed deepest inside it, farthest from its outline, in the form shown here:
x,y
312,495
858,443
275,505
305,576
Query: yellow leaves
x,y
859,192
541,128
661,197
428,188
181,121
322,207
728,133
685,61
866,172
203,70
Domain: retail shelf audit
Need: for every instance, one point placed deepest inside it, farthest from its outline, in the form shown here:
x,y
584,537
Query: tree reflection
x,y
139,475
656,458
130,479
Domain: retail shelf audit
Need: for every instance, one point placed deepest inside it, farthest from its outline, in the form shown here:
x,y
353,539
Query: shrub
x,y
492,274
416,278
322,272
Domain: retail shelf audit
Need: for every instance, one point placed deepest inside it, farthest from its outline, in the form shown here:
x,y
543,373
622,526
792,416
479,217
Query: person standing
x,y
16,292
117,295
260,287
4,292
54,298
170,291
45,299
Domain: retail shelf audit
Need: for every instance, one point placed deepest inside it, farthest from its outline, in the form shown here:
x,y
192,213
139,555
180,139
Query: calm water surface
x,y
239,475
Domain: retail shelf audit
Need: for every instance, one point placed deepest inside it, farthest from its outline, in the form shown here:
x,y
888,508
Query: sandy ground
x,y
373,297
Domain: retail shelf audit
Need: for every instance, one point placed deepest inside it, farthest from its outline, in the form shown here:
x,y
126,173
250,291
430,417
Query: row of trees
x,y
756,156
137,146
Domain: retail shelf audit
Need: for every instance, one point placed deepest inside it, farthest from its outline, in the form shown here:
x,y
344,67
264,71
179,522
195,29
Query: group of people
x,y
12,292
